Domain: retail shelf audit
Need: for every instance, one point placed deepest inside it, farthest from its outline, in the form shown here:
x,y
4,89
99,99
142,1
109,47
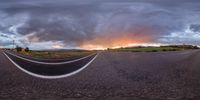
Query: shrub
x,y
195,47
174,50
18,48
164,50
154,50
136,51
26,49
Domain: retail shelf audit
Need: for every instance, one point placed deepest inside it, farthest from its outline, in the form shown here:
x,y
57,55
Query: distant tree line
x,y
183,46
19,49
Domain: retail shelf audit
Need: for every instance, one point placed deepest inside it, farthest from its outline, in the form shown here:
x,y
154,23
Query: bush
x,y
136,51
195,47
26,49
18,49
164,50
173,50
154,50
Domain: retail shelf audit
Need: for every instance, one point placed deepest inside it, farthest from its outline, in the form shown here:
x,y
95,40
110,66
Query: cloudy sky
x,y
95,24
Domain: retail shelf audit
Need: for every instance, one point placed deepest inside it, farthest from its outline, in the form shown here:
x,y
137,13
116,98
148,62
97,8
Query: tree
x,y
26,49
18,48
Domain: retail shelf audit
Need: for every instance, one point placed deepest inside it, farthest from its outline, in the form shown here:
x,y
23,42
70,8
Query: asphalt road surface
x,y
47,60
115,76
48,69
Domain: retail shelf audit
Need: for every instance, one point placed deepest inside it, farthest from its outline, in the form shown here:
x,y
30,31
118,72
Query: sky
x,y
98,24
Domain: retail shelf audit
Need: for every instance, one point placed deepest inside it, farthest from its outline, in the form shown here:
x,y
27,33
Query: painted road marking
x,y
51,77
45,63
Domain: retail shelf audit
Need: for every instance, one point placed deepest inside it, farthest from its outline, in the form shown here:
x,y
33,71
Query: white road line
x,y
45,63
51,77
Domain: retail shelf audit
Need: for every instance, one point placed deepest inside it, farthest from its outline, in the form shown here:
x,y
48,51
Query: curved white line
x,y
45,63
51,77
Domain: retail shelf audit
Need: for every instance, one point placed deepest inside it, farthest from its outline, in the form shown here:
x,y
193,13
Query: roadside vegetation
x,y
155,49
53,54
56,54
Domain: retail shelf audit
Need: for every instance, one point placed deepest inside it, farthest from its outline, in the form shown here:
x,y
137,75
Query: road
x,y
115,76
47,60
49,69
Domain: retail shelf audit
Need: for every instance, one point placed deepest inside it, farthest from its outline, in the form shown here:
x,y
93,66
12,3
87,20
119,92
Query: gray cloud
x,y
195,27
2,35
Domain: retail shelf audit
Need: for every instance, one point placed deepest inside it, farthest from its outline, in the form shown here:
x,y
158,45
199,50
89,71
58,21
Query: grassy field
x,y
57,55
149,49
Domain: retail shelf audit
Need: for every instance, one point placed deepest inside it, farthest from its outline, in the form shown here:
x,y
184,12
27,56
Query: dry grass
x,y
57,55
148,49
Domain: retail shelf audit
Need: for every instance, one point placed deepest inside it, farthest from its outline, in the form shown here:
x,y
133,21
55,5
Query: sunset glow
x,y
118,42
115,43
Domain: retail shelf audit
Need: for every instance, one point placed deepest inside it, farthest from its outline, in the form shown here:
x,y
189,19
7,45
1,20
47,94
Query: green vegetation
x,y
154,49
18,49
57,54
26,49
147,49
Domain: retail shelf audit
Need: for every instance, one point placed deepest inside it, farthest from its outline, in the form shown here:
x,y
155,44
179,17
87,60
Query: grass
x,y
57,55
147,49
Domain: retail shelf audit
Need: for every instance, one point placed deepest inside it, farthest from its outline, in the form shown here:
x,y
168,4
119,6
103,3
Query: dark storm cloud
x,y
77,21
64,28
71,24
2,35
195,27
